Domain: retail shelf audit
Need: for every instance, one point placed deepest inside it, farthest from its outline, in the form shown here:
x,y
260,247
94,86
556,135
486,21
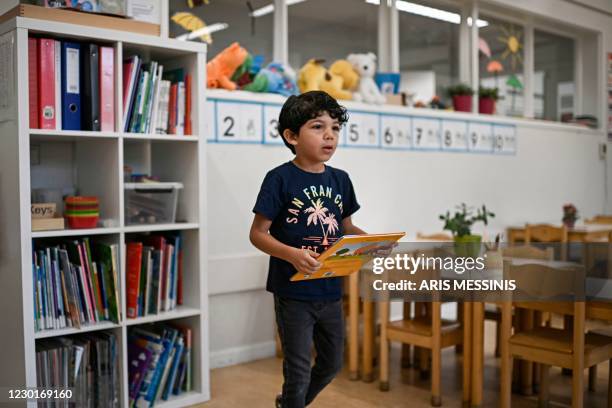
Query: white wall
x,y
397,191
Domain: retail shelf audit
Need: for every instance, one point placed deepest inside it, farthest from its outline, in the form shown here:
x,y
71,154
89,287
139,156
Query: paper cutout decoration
x,y
191,23
483,46
512,40
494,67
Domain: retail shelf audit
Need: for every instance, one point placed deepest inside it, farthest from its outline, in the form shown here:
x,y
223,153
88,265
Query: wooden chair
x,y
546,233
493,312
428,332
599,219
567,348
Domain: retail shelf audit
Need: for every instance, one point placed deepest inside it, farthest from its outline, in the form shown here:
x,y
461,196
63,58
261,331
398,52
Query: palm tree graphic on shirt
x,y
319,216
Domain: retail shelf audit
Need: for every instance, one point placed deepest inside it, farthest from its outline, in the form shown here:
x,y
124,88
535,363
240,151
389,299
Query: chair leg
x,y
436,368
544,385
593,378
506,359
424,362
384,346
497,339
577,388
368,340
407,348
610,384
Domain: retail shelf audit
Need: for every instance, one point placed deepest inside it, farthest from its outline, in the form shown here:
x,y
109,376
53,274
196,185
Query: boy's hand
x,y
304,260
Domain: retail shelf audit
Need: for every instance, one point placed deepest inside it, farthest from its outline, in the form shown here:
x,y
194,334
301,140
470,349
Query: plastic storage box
x,y
151,203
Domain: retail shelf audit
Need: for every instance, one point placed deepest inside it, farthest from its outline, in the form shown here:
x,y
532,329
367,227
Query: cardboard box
x,y
81,18
43,210
396,99
46,224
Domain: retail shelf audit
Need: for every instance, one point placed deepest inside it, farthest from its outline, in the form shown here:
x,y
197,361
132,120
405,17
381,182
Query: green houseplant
x,y
486,99
461,95
460,225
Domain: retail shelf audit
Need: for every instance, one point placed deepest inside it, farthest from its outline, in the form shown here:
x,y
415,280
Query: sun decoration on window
x,y
512,40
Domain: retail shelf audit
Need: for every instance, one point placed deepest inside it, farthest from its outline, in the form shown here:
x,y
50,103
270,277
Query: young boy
x,y
303,207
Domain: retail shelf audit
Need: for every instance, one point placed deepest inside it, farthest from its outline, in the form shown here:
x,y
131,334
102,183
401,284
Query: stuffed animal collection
x,y
353,78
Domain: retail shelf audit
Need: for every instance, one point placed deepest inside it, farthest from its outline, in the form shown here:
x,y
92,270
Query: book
x,y
71,86
33,82
348,254
172,109
187,120
131,69
164,99
107,89
180,109
58,85
91,87
133,262
46,81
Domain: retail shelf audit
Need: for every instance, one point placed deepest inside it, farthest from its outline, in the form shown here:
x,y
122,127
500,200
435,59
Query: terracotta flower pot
x,y
462,103
486,105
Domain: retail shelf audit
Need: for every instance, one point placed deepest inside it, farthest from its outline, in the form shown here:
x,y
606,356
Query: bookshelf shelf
x,y
46,135
75,232
179,313
161,138
81,162
161,227
45,334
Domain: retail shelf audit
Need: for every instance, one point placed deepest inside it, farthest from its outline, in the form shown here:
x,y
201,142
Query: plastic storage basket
x,y
151,203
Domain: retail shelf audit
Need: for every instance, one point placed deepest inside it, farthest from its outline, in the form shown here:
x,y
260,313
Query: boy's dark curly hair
x,y
298,110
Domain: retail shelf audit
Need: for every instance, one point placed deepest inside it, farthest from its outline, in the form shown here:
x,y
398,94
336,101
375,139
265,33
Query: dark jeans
x,y
299,324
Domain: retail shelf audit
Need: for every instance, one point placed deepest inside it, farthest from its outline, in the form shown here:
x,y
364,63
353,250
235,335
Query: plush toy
x,y
246,72
221,68
365,66
345,70
314,77
274,78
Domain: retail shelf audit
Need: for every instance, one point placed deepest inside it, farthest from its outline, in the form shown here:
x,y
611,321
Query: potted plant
x,y
460,224
486,99
462,97
570,215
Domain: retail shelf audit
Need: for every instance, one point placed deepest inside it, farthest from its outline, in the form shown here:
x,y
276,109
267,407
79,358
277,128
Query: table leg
x,y
467,352
406,348
527,366
353,343
477,353
368,340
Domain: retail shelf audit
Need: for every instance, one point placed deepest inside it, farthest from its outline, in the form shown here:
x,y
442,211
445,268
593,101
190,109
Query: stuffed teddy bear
x,y
365,66
314,77
274,78
220,69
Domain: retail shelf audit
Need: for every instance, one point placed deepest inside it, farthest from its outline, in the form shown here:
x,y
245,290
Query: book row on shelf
x,y
155,101
75,282
72,87
88,365
154,270
159,363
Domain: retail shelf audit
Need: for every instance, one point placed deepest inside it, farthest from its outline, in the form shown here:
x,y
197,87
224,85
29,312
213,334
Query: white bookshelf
x,y
93,162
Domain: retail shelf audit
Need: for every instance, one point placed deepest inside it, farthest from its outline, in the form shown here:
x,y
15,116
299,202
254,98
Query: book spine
x,y
46,79
58,85
107,89
188,103
172,110
134,254
33,82
180,113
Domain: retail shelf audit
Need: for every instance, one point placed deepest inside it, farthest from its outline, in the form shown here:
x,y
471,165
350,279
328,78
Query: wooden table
x,y
579,233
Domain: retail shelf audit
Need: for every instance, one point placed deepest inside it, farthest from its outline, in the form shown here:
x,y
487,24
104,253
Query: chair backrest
x,y
599,219
546,280
528,252
440,236
545,233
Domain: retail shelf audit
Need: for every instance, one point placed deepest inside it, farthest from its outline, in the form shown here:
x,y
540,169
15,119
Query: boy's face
x,y
317,139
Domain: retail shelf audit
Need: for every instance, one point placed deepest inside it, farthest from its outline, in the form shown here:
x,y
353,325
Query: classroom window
x,y
501,57
554,85
429,48
331,30
229,21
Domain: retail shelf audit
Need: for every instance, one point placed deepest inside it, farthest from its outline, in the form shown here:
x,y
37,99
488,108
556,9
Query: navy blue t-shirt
x,y
306,210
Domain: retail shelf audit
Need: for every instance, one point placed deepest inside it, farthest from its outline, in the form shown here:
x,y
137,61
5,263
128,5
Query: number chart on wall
x,y
232,121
